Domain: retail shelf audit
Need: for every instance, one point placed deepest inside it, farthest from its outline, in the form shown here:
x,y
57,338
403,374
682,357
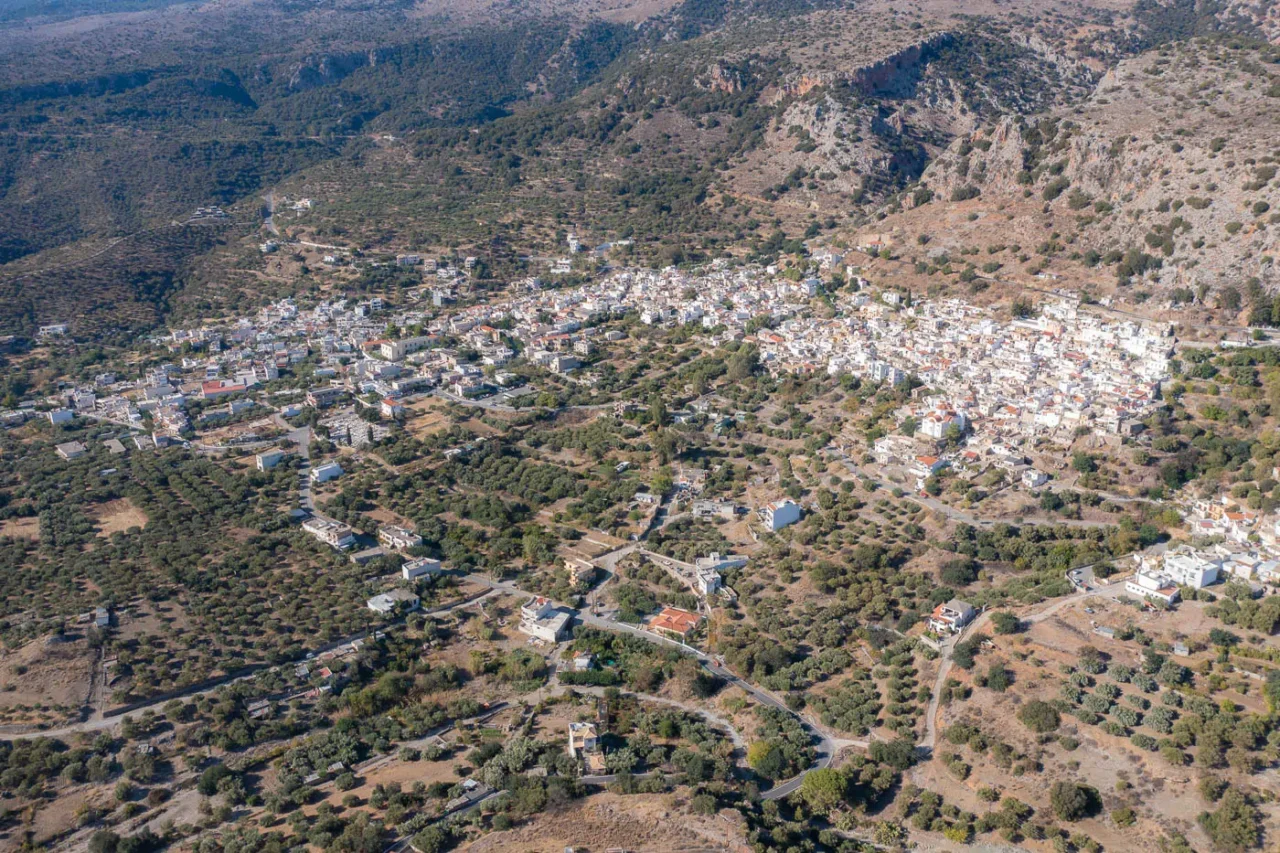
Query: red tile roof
x,y
221,386
675,620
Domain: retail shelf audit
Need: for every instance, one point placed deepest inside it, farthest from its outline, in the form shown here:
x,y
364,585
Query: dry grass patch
x,y
118,516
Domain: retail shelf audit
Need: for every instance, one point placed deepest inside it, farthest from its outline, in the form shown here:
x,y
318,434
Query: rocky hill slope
x,y
1166,174
693,127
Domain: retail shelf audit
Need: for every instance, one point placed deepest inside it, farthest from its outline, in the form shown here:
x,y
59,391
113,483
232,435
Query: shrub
x,y
999,678
1146,742
961,572
964,652
209,779
1114,729
1055,188
433,839
1160,720
1120,673
1127,717
1072,801
1040,717
1005,623
767,759
1212,788
823,789
1236,825
899,753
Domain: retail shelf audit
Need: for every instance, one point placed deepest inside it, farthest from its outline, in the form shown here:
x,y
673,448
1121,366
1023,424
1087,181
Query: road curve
x,y
944,668
824,745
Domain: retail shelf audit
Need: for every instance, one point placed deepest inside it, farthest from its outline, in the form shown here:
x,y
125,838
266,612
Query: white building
x,y
415,569
951,617
399,538
1191,569
924,467
541,619
936,424
60,416
583,738
714,509
1159,587
389,602
563,363
397,350
269,459
1033,479
706,581
717,562
326,472
330,532
71,450
779,514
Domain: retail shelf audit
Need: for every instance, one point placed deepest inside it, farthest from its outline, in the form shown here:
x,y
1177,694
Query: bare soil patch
x,y
21,528
118,516
44,680
636,823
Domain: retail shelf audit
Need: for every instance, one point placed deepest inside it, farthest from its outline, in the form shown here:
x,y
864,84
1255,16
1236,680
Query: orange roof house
x,y
673,620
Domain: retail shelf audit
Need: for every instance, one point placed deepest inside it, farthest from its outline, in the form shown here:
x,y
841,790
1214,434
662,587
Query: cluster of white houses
x,y
1161,578
1043,376
1010,382
1228,542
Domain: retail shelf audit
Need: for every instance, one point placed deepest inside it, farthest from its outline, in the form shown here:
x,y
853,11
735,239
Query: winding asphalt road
x,y
825,746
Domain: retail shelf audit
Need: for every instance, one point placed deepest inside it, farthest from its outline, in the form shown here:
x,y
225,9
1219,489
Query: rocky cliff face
x,y
315,71
1173,155
893,75
897,74
864,132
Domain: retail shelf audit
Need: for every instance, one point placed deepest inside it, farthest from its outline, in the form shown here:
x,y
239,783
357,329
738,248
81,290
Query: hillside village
x,y
647,426
987,392
1041,377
